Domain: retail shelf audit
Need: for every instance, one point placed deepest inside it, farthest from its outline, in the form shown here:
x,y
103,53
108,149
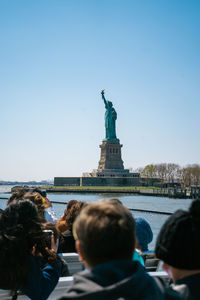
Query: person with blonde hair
x,y
105,240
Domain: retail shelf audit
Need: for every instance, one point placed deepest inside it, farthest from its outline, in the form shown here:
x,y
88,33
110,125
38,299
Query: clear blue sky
x,y
56,56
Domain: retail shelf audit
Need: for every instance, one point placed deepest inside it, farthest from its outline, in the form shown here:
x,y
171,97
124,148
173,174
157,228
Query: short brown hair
x,y
105,232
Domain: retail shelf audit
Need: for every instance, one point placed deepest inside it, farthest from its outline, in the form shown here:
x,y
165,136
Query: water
x,y
130,201
5,188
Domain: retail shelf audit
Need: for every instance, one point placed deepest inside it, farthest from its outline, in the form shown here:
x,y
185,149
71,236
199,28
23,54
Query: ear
x,y
82,256
79,250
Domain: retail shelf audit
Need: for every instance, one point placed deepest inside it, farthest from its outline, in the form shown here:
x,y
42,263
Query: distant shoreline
x,y
131,190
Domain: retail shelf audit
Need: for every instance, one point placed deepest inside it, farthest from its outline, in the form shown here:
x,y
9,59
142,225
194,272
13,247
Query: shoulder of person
x,y
183,290
168,292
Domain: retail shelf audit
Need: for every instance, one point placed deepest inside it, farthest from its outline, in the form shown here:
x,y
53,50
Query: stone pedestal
x,y
110,155
111,163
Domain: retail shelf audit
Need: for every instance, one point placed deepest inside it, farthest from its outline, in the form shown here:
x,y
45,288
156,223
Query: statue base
x,y
110,155
111,163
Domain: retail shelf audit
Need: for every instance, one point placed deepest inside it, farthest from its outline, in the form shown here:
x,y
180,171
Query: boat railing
x,y
74,266
63,286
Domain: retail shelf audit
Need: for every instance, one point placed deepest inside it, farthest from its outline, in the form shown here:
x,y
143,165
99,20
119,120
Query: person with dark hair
x,y
22,243
62,224
49,212
69,205
39,197
178,246
16,195
39,201
67,241
43,193
105,240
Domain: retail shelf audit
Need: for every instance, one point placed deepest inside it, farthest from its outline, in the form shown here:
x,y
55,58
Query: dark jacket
x,y
66,242
115,280
189,287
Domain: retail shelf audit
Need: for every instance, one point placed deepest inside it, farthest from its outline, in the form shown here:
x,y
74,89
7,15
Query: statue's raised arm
x,y
104,99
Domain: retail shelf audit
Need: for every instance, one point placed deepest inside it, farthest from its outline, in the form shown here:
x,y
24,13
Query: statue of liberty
x,y
110,118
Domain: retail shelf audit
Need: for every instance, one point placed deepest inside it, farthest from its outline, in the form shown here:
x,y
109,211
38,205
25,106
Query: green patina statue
x,y
110,118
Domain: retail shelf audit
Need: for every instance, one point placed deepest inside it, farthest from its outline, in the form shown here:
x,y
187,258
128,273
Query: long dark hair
x,y
20,230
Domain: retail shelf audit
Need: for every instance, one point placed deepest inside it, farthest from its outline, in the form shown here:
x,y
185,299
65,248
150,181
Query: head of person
x,y
73,213
178,243
16,195
104,232
114,201
43,193
144,233
38,200
68,206
20,231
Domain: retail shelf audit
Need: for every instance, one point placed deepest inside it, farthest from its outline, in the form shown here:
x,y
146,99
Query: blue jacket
x,y
41,281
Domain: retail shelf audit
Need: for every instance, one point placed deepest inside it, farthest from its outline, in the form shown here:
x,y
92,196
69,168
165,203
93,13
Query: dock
x,y
162,192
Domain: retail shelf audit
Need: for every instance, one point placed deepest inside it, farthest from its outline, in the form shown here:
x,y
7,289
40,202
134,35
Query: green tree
x,y
149,171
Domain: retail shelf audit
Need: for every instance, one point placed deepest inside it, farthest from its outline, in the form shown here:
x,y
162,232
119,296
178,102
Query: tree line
x,y
170,172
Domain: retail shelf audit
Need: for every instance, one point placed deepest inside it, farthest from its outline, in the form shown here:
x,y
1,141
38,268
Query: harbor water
x,y
161,204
